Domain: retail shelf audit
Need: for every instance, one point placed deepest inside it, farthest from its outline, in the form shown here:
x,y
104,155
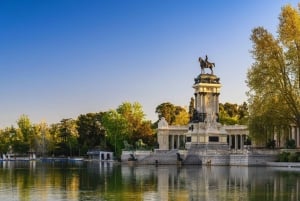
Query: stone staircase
x,y
165,158
193,156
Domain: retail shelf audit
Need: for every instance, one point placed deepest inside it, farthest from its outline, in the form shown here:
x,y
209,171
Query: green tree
x,y
117,130
182,117
228,114
166,110
134,116
174,115
54,139
243,114
91,132
25,135
138,128
273,79
69,135
6,139
43,143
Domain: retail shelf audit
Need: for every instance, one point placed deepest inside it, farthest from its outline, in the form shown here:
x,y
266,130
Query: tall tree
x,y
174,115
116,128
273,78
26,139
91,131
134,115
166,110
69,136
138,128
181,116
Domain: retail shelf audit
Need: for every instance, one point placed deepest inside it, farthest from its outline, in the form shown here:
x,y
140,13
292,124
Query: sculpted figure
x,y
206,64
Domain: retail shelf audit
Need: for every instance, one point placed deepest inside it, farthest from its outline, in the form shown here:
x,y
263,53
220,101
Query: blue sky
x,y
62,58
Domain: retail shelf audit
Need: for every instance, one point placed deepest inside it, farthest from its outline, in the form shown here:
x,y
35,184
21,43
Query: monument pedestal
x,y
206,139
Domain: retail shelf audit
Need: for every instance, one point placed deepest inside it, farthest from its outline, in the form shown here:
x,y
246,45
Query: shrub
x,y
290,144
292,157
271,144
284,157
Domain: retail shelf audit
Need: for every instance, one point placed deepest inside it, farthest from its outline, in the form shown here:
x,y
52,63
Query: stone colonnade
x,y
237,135
236,141
201,104
176,141
294,134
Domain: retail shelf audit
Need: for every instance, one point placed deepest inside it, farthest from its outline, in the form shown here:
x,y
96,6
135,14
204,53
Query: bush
x,y
284,157
290,144
271,144
289,157
293,157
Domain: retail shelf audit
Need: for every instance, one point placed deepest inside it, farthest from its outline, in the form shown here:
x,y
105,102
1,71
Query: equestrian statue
x,y
206,64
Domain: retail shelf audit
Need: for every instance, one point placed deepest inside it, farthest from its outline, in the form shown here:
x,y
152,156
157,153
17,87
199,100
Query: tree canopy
x,y
273,79
174,115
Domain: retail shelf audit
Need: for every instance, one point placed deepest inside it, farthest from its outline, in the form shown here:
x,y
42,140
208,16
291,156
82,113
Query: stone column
x,y
235,142
230,141
214,103
217,102
178,141
203,102
242,142
172,141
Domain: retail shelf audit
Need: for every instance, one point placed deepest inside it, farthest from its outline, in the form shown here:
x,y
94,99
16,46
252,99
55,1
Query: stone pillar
x,y
172,141
235,142
203,103
242,142
217,102
230,141
199,102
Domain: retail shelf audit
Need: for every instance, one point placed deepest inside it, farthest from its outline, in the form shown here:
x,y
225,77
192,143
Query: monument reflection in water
x,y
104,181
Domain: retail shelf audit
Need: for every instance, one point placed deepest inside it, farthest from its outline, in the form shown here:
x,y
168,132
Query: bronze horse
x,y
206,64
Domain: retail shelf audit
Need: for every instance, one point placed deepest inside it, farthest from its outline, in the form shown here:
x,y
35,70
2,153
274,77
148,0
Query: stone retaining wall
x,y
200,158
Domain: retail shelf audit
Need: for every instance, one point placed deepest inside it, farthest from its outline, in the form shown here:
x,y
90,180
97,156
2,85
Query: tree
x,y
174,115
273,79
166,110
134,116
228,114
127,123
6,139
54,139
181,116
243,114
116,128
91,131
43,140
26,136
69,135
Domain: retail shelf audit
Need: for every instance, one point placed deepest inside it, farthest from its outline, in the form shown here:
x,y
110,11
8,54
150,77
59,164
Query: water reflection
x,y
106,181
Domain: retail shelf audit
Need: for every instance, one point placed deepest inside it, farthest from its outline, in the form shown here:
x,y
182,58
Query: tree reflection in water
x,y
49,181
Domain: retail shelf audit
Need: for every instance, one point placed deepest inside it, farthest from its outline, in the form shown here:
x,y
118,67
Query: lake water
x,y
73,181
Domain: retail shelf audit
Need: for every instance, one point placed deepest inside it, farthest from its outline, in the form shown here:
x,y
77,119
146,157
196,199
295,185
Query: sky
x,y
63,58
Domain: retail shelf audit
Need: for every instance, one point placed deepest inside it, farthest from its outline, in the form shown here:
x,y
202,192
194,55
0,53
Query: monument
x,y
204,141
206,135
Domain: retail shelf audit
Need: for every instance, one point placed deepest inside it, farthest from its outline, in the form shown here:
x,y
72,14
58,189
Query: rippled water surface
x,y
73,181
